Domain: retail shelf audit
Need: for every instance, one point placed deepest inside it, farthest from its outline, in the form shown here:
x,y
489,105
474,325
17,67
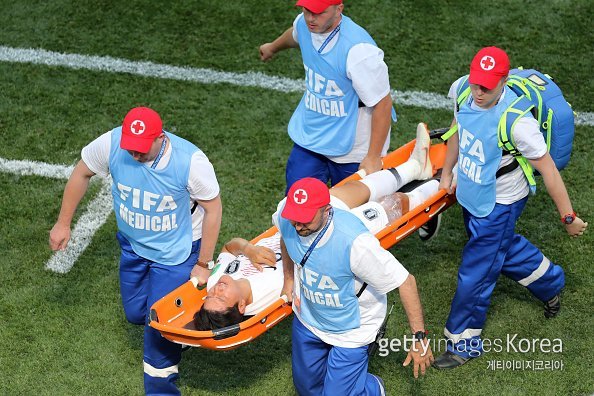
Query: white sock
x,y
422,193
408,172
382,183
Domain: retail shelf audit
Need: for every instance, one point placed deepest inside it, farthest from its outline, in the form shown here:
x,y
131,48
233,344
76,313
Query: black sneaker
x,y
552,307
449,360
428,230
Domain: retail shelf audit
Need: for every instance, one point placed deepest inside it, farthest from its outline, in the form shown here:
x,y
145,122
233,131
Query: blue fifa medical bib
x,y
327,284
152,207
325,120
479,155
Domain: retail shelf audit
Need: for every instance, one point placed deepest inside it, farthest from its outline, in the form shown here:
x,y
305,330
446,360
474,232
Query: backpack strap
x,y
362,289
518,109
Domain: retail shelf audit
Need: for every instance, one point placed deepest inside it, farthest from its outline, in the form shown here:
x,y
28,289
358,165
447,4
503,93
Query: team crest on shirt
x,y
371,214
232,267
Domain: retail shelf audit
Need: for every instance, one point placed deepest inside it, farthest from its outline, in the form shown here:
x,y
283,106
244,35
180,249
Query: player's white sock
x,y
407,172
382,183
422,193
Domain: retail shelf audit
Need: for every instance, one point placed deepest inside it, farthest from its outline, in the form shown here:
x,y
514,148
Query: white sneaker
x,y
421,152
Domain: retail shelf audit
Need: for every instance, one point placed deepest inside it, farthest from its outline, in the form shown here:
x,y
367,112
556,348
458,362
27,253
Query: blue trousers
x,y
142,283
305,163
494,248
323,369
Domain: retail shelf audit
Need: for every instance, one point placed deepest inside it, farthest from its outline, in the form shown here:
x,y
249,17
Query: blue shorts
x,y
305,163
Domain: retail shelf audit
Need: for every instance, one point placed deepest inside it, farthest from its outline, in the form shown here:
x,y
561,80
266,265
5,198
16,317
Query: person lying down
x,y
249,277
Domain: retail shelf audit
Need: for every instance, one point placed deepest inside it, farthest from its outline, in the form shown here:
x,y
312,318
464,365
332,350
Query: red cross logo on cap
x,y
487,62
137,127
300,196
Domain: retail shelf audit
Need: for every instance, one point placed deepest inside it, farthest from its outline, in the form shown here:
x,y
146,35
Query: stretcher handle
x,y
438,133
264,313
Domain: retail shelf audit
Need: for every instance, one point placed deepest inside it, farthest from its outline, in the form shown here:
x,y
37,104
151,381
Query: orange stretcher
x,y
173,314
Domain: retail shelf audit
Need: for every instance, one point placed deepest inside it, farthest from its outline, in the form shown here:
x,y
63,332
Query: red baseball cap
x,y
317,6
488,67
304,199
140,129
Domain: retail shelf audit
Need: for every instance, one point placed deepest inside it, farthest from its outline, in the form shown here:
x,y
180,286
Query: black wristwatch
x,y
420,335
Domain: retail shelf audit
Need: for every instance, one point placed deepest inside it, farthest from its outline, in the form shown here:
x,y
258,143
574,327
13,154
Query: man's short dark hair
x,y
206,319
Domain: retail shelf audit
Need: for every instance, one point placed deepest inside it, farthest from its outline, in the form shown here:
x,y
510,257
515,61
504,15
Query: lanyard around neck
x,y
329,38
160,155
320,235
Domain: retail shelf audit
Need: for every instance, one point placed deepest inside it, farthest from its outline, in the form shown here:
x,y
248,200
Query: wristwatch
x,y
568,218
208,265
420,335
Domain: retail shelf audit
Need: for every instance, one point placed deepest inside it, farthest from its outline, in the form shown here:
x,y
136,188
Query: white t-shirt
x,y
370,263
202,181
528,139
266,285
368,72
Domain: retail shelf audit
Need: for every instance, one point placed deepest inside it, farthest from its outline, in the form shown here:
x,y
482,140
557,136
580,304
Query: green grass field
x,y
66,334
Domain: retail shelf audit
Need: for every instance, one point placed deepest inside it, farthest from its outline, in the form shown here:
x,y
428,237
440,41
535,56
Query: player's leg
x,y
377,215
352,193
161,357
385,182
421,193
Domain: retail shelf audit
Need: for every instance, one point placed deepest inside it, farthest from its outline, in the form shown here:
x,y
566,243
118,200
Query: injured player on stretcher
x,y
249,277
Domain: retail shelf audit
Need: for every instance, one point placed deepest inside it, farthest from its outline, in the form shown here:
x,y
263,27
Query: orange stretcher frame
x,y
173,314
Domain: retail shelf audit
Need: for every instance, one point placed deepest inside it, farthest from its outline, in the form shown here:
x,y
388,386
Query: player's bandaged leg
x,y
388,181
422,193
377,215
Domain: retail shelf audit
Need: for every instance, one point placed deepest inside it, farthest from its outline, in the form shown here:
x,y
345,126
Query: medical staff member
x,y
168,212
492,205
343,120
338,284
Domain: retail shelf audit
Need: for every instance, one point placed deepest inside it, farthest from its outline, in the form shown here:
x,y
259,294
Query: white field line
x,y
100,207
426,100
34,168
95,216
